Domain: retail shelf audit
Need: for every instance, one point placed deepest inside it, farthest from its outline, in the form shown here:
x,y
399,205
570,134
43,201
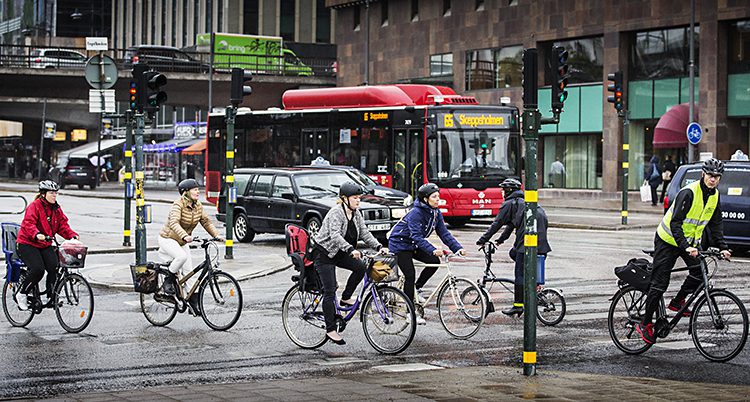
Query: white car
x,y
56,58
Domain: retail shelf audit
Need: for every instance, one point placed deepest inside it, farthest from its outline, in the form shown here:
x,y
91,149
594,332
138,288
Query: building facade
x,y
475,46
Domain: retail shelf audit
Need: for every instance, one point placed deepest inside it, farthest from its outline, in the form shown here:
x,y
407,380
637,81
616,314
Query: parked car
x,y
79,171
734,193
376,189
56,58
269,198
163,58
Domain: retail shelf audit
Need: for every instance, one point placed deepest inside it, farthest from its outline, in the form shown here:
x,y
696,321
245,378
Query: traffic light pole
x,y
531,124
229,179
128,175
625,164
140,201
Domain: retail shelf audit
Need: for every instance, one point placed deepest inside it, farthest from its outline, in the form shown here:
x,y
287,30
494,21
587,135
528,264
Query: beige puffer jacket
x,y
184,216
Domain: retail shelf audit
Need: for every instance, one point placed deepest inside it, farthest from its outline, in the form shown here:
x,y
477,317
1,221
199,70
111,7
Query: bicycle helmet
x,y
426,190
187,184
350,188
48,185
713,166
510,184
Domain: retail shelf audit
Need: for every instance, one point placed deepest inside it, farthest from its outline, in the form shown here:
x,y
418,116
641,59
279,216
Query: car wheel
x,y
80,186
242,229
457,222
313,225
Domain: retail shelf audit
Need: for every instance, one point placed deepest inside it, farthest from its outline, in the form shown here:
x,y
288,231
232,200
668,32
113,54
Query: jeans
x,y
406,265
37,261
326,268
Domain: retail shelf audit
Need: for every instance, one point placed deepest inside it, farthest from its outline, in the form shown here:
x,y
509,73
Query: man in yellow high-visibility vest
x,y
679,235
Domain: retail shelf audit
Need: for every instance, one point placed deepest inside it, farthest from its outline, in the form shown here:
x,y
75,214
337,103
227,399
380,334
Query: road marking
x,y
675,345
400,368
334,361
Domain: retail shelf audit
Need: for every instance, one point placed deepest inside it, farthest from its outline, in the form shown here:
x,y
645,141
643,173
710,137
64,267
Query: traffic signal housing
x,y
615,87
238,89
136,88
530,76
560,71
153,96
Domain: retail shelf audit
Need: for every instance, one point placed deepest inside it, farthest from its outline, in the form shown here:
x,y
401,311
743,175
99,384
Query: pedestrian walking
x,y
667,172
653,175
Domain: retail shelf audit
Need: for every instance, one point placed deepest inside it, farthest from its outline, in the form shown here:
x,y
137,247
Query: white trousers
x,y
169,249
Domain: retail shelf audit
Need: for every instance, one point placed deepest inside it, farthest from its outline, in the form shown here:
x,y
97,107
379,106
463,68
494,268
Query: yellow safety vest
x,y
695,221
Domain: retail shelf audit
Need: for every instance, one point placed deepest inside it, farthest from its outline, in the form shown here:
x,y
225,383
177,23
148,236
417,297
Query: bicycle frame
x,y
203,269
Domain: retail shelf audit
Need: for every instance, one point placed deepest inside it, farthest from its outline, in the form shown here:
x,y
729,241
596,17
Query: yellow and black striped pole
x,y
140,200
531,123
128,176
229,180
625,165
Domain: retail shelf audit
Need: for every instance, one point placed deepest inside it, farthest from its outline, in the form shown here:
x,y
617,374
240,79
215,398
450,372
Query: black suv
x,y
163,58
269,198
78,171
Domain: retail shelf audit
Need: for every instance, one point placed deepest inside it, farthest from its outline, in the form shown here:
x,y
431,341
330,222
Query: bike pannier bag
x,y
145,278
637,273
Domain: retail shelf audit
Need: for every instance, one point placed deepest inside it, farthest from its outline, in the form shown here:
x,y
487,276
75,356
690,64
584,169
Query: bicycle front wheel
x,y
719,326
625,312
74,303
550,306
388,320
220,301
461,307
16,317
302,316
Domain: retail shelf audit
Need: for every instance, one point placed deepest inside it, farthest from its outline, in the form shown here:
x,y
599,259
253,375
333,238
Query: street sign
x,y
97,97
101,72
97,44
50,129
694,133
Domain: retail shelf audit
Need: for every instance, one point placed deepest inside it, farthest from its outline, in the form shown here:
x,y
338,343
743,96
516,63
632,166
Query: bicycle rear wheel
x,y
550,306
302,316
158,308
719,338
16,317
74,303
625,312
220,301
461,307
388,320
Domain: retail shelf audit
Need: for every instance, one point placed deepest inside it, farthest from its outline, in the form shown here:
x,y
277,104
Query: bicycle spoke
x,y
303,320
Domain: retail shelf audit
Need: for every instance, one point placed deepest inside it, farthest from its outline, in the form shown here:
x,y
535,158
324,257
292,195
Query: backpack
x,y
637,272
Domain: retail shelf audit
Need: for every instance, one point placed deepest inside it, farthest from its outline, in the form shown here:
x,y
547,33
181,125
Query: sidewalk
x,y
420,382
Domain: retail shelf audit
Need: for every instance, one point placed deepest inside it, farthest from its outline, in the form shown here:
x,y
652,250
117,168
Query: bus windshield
x,y
461,154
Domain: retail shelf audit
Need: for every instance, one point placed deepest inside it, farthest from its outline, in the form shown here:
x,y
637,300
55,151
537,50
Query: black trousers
x,y
326,268
37,261
664,190
653,194
665,256
406,265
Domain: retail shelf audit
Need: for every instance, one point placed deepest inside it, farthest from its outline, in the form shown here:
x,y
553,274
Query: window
x,y
585,60
446,8
287,19
241,181
263,185
739,47
364,148
663,53
323,22
441,65
250,17
282,185
356,18
509,66
480,69
384,13
479,5
414,10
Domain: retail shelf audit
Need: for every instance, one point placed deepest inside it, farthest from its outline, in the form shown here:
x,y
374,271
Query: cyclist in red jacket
x,y
43,219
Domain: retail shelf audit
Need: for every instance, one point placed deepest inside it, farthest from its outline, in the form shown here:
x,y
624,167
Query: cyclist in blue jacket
x,y
408,239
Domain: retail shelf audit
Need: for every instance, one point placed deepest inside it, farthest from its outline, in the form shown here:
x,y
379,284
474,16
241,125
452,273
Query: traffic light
x,y
153,96
239,90
560,69
136,88
615,86
530,75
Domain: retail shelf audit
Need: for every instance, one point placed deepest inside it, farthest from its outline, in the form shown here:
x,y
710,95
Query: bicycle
x,y
718,324
72,300
387,316
220,296
551,306
458,307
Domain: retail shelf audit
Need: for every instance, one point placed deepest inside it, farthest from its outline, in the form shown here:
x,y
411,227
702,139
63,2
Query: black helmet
x,y
511,184
426,190
187,184
350,188
713,166
48,185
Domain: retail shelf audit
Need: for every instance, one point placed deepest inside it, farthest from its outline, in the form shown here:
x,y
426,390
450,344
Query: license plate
x,y
81,174
481,212
382,226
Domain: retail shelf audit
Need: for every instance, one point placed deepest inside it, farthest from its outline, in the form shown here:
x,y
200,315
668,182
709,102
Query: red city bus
x,y
400,135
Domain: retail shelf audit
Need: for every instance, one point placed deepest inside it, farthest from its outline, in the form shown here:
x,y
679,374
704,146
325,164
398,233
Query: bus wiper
x,y
316,188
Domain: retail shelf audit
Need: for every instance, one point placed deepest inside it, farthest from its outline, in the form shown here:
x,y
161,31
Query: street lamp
x,y
29,30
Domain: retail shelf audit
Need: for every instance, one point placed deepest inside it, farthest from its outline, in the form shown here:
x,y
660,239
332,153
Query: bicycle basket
x,y
72,254
145,278
383,269
637,273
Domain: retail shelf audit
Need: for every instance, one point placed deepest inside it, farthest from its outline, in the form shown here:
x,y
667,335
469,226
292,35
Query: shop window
x,y
663,53
441,65
739,47
573,161
585,60
480,69
509,66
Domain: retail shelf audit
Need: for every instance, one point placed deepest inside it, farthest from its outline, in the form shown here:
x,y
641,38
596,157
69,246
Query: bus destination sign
x,y
473,120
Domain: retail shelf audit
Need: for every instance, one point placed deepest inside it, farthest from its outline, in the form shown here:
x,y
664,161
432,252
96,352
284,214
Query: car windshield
x,y
361,178
734,181
456,154
320,184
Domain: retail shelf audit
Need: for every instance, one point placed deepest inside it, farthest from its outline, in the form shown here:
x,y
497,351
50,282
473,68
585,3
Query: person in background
x,y
667,172
653,175
557,173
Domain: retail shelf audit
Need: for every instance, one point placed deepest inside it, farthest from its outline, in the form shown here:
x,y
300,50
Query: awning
x,y
670,131
195,149
173,145
87,150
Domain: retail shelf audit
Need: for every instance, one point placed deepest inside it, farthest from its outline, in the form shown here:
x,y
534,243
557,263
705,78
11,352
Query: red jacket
x,y
45,218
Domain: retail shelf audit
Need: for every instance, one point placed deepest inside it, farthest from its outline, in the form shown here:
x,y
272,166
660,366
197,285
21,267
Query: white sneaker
x,y
421,320
22,300
419,296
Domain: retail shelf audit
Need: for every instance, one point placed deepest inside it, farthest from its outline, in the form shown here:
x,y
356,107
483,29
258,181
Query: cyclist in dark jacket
x,y
408,239
511,216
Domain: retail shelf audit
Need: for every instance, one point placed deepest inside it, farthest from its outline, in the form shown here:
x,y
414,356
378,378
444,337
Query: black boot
x,y
517,301
169,287
194,305
514,310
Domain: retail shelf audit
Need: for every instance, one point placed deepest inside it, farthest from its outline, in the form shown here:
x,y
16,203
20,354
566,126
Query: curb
x,y
123,250
93,194
597,227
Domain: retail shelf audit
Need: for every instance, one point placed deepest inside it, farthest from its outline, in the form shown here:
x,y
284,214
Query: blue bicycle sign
x,y
694,133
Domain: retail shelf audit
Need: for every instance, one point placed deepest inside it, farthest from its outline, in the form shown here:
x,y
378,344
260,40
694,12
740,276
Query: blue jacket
x,y
411,232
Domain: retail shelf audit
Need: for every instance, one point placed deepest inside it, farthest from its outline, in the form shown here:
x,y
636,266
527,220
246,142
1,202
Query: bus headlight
x,y
398,213
408,200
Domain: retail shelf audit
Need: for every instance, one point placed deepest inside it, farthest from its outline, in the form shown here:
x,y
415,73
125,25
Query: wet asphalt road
x,y
120,350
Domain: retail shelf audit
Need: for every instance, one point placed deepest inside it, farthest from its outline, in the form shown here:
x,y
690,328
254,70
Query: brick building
x,y
475,46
